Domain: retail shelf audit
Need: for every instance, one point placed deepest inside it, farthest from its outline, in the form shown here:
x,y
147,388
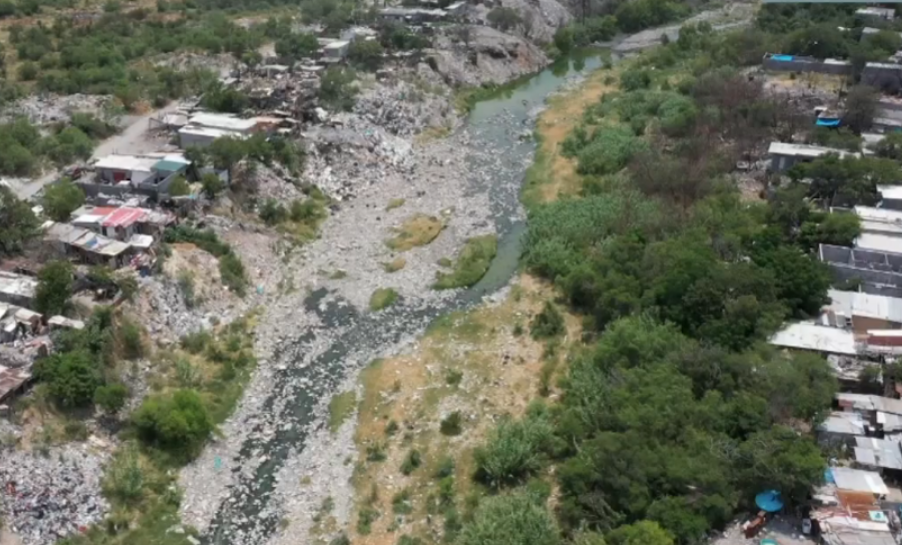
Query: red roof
x,y
123,217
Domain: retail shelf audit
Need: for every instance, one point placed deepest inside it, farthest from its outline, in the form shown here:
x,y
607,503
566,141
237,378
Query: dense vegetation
x,y
677,412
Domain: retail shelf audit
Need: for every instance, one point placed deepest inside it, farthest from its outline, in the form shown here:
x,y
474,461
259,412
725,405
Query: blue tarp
x,y
769,501
827,122
782,57
828,476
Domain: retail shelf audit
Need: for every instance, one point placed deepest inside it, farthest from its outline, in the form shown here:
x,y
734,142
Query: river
x,y
497,123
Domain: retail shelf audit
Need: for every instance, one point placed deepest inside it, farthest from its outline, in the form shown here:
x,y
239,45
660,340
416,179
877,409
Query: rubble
x,y
45,498
492,58
51,108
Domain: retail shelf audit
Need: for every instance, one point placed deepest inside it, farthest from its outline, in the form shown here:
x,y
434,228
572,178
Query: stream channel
x,y
496,123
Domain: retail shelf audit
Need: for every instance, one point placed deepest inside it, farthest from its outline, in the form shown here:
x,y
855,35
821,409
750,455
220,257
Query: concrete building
x,y
876,14
783,156
872,269
86,246
879,220
815,338
796,63
17,289
148,175
336,51
862,312
883,75
122,223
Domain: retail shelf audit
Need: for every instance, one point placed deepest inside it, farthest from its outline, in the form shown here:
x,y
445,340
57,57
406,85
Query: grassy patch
x,y
340,408
338,274
472,263
395,203
418,230
383,298
394,265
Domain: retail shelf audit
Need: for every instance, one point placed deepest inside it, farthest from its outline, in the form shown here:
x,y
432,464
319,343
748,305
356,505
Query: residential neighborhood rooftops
x,y
876,452
843,423
891,192
808,336
211,132
868,305
17,284
336,45
866,402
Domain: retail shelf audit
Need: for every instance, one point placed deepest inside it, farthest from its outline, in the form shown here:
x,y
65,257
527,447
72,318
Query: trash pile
x,y
45,498
46,109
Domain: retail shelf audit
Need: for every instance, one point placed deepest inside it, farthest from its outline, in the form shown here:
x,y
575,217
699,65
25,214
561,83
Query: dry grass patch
x,y
394,265
476,363
418,230
553,175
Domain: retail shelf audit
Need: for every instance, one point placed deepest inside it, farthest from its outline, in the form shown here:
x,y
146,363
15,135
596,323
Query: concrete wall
x,y
806,65
861,324
199,140
886,78
93,190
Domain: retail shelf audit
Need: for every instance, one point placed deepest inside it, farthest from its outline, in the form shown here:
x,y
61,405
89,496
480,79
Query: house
x,y
783,155
878,453
122,223
815,338
148,175
796,63
876,14
857,480
226,122
201,137
841,428
335,51
883,75
879,242
879,220
86,246
17,289
891,197
862,312
874,270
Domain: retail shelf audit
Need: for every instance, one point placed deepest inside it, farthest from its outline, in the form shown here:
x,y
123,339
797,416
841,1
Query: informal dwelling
x,y
784,156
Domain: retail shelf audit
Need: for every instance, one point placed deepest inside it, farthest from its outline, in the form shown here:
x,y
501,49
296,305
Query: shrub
x,y
609,151
231,270
514,451
196,342
451,424
179,187
365,520
383,298
177,423
411,462
111,397
124,480
445,467
132,341
401,502
510,519
71,377
635,79
548,323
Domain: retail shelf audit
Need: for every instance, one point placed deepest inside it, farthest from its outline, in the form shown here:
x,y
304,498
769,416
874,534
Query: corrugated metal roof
x,y
843,423
807,336
123,217
876,452
858,480
866,402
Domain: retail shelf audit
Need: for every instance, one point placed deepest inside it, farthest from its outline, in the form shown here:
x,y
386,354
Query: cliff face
x,y
492,57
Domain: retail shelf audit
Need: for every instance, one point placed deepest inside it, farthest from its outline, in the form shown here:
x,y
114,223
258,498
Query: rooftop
x,y
866,305
891,192
858,480
17,284
866,402
336,45
879,242
804,150
875,452
125,162
843,423
222,121
212,132
808,336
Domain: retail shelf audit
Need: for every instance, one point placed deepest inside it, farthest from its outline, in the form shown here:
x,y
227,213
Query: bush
x,y
71,377
635,79
451,424
196,342
513,519
609,151
548,323
411,462
179,187
124,479
231,270
514,451
130,335
472,263
337,89
111,397
212,185
177,423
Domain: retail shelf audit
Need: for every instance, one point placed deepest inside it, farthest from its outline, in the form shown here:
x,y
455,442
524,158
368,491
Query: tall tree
x,y
18,224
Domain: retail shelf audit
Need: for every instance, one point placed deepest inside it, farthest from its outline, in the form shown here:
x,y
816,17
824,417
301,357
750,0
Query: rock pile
x,y
45,109
45,498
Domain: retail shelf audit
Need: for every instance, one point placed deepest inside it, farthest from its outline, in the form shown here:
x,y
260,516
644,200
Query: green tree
x,y
61,199
226,152
177,422
563,39
890,147
111,397
296,46
18,224
337,89
54,288
212,184
860,108
366,54
780,459
179,187
514,519
643,532
71,377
